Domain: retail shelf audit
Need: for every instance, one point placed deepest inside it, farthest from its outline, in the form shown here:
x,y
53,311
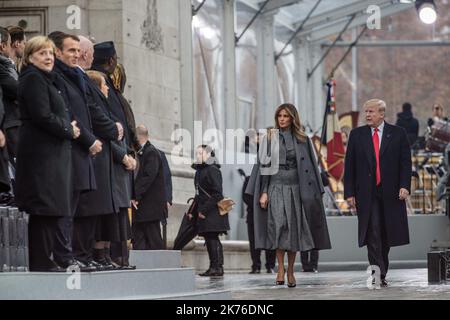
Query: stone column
x,y
303,94
317,88
229,65
186,67
266,71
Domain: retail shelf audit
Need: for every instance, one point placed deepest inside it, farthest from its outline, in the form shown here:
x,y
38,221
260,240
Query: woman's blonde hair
x,y
34,45
97,77
296,125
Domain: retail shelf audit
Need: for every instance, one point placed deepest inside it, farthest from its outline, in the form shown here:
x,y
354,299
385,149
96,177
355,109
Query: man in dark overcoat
x,y
150,198
105,61
74,90
9,81
5,182
377,182
99,202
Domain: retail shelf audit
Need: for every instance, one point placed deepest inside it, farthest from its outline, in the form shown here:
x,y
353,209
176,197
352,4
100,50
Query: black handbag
x,y
325,178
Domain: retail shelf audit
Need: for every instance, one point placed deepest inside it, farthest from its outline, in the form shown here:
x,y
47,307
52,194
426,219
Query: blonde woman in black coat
x,y
208,186
43,176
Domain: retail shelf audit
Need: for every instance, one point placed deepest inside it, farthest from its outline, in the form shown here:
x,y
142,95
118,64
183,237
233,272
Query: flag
x,y
331,135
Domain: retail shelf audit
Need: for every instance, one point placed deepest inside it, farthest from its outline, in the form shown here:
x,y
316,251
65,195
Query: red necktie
x,y
376,146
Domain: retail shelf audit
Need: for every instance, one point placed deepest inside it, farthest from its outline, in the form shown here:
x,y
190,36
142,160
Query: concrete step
x,y
200,295
236,256
96,285
155,259
363,265
194,295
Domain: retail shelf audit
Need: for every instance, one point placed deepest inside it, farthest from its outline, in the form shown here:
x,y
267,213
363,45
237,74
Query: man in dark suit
x,y
71,83
169,193
96,205
377,182
150,196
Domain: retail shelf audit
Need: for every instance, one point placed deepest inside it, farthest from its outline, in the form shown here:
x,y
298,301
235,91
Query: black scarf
x,y
74,74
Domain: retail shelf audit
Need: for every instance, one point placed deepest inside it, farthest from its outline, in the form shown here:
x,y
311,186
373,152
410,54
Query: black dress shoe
x,y
54,268
127,267
104,264
212,272
270,271
86,267
91,266
70,264
383,283
98,266
255,271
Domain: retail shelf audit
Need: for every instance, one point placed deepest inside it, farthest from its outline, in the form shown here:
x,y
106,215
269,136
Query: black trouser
x,y
63,252
84,238
147,236
256,253
310,259
41,233
377,247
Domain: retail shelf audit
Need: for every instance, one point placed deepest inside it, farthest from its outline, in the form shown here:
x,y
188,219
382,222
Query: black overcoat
x,y
122,184
100,201
76,99
5,183
209,178
44,159
9,84
360,179
149,186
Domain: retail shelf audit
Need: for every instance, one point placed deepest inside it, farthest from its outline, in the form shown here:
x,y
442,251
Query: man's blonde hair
x,y
376,102
34,45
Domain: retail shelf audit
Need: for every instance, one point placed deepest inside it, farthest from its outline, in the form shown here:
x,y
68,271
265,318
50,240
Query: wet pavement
x,y
341,285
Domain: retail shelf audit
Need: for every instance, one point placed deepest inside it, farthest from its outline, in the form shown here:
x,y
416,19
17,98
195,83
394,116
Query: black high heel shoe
x,y
280,283
291,285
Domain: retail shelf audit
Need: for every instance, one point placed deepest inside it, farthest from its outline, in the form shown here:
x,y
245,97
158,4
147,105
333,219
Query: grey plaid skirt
x,y
287,227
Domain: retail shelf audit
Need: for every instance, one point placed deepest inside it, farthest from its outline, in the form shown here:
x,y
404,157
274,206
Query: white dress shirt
x,y
380,132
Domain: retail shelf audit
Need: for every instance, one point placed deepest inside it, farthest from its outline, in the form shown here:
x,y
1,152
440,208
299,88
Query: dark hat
x,y
104,50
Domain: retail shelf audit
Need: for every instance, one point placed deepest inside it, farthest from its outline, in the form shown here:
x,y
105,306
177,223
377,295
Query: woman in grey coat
x,y
289,213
